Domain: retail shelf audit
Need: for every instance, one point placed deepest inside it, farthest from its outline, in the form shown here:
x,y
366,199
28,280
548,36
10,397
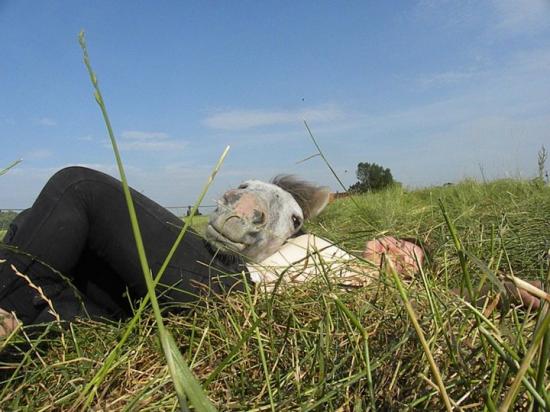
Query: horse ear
x,y
311,198
319,201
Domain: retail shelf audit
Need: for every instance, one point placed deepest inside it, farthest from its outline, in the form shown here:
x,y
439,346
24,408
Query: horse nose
x,y
246,206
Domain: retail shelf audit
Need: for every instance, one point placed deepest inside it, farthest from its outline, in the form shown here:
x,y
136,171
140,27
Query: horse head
x,y
255,219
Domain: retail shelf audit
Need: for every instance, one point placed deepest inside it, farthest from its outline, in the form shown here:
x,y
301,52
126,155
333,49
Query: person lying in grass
x,y
72,254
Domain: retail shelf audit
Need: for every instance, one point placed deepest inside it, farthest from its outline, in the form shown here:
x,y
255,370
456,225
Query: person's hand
x,y
405,255
8,323
521,296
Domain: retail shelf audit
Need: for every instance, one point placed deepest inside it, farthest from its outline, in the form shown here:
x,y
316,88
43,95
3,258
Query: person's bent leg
x,y
83,212
47,238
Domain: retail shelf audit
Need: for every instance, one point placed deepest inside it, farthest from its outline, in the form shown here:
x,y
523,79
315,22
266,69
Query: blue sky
x,y
435,90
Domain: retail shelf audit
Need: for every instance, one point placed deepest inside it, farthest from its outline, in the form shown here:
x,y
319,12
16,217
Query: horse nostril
x,y
258,218
231,196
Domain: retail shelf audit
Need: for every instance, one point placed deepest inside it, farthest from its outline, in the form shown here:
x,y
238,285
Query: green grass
x,y
315,347
198,223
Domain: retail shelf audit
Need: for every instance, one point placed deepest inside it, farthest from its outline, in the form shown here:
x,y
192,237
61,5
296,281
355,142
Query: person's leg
x,y
16,222
44,243
110,239
83,212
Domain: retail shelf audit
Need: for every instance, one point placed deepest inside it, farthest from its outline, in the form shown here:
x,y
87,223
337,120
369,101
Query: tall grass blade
x,y
11,166
334,173
537,339
420,334
460,251
260,347
91,387
224,363
349,314
543,363
511,364
323,156
184,381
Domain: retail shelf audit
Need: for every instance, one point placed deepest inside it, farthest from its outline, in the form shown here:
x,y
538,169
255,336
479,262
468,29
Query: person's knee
x,y
74,174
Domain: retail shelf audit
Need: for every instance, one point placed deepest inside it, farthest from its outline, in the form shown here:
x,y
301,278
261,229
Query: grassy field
x,y
316,347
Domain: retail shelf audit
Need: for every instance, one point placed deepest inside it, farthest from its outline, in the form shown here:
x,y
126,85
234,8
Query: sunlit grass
x,y
313,337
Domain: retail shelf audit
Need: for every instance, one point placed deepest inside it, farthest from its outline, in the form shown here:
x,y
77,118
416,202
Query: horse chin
x,y
221,242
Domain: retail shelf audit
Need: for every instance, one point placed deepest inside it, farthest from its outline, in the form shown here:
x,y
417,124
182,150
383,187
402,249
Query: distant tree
x,y
371,177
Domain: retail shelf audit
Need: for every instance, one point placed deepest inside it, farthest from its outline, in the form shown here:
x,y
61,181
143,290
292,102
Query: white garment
x,y
304,258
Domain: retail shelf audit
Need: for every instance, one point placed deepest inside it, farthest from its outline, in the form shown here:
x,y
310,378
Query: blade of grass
x,y
514,388
6,169
184,381
348,313
420,334
543,362
260,347
225,362
460,251
91,387
462,256
511,364
336,176
324,157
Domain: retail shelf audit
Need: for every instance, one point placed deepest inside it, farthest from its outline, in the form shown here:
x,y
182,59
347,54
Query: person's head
x,y
256,218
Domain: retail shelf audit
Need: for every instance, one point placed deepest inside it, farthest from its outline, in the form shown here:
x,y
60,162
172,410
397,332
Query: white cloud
x,y
141,135
501,145
137,140
449,77
498,118
517,16
450,15
498,18
38,154
47,121
248,119
151,146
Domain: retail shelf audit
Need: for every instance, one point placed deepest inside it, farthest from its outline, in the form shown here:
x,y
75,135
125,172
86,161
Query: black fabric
x,y
79,230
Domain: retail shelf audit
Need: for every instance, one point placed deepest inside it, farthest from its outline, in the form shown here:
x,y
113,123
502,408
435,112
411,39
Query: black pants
x,y
76,243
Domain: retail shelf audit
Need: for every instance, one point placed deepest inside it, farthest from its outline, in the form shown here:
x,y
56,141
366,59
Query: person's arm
x,y
304,258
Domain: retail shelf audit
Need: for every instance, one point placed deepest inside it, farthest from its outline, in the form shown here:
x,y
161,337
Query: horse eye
x,y
296,221
243,186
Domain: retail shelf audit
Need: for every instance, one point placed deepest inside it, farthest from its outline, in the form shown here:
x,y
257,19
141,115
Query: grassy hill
x,y
317,347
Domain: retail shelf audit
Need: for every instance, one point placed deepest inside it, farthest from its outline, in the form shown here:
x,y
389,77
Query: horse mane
x,y
311,198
